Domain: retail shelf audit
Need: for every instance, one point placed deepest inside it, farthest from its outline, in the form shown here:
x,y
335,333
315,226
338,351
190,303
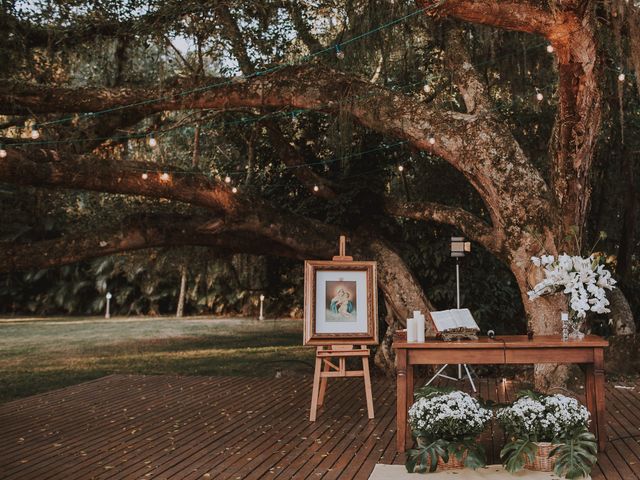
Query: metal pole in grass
x,y
261,307
108,296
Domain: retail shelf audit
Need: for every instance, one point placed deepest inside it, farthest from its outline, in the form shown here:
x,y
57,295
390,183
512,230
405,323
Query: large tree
x,y
525,210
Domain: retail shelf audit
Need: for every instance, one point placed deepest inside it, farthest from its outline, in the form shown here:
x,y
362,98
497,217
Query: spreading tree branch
x,y
518,15
472,226
474,144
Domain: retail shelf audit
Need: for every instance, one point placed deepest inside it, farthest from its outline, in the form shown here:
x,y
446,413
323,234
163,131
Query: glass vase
x,y
575,326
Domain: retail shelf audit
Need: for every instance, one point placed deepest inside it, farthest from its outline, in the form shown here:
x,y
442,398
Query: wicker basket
x,y
453,463
542,462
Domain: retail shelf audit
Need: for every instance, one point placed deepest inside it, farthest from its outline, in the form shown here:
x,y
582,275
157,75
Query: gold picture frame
x,y
340,303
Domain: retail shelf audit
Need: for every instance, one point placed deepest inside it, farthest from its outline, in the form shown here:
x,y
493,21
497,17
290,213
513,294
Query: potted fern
x,y
547,433
445,425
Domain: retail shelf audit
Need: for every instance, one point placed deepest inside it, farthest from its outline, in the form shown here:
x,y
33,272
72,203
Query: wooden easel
x,y
325,368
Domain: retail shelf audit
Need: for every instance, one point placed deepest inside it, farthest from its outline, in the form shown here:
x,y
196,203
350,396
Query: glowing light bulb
x,y
3,152
621,77
164,177
227,179
550,48
144,176
152,141
234,190
316,188
401,168
539,96
35,134
432,140
427,88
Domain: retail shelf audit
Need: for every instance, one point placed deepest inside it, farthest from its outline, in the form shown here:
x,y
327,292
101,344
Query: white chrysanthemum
x,y
448,416
545,419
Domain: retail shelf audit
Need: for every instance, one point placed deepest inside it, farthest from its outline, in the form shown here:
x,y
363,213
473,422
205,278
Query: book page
x,y
455,318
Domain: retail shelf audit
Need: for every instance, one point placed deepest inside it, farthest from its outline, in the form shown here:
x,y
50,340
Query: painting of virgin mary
x,y
341,301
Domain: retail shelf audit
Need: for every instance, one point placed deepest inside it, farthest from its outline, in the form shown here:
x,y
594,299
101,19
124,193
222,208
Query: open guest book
x,y
455,324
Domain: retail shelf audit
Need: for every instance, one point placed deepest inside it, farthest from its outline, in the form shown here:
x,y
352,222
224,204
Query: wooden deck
x,y
139,427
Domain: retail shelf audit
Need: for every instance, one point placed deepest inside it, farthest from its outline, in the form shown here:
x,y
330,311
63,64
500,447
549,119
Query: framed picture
x,y
340,303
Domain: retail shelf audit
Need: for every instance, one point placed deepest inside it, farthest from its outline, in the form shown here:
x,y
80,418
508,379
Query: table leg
x,y
598,374
409,398
590,398
401,400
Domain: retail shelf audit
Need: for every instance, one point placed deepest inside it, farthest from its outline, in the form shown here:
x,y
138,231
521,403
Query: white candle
x,y
411,330
420,324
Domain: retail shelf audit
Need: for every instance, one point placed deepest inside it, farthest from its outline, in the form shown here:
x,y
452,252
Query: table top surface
x,y
505,341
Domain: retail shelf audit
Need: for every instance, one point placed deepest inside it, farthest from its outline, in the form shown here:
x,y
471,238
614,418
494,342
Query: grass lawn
x,y
41,355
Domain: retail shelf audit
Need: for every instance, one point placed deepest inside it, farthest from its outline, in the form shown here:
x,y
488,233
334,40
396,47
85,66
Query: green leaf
x,y
515,454
576,455
425,456
476,457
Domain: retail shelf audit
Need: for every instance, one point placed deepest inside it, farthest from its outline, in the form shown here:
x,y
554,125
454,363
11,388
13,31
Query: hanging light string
x,y
227,179
303,59
165,176
121,138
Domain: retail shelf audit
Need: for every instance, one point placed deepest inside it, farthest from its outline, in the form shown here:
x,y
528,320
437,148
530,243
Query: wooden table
x,y
513,349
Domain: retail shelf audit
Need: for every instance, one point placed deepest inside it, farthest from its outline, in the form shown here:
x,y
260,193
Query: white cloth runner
x,y
490,472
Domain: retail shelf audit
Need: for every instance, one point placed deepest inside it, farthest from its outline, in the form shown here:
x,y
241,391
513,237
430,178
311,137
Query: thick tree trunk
x,y
543,317
401,293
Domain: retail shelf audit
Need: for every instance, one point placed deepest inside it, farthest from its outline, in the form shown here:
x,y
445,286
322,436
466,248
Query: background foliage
x,y
153,42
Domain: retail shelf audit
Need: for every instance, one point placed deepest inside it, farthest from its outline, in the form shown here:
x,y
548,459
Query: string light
x,y
400,168
145,176
316,188
275,68
621,77
164,177
3,152
550,48
234,190
266,71
227,179
539,96
432,141
427,88
152,141
35,134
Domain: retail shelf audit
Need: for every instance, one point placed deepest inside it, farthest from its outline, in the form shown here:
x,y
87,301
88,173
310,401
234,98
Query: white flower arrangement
x,y
583,279
543,418
448,416
535,419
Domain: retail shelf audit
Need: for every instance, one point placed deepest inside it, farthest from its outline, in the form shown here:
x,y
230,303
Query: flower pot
x,y
542,462
453,463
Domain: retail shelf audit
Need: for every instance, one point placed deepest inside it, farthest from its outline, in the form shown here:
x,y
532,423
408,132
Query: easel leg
x,y
367,386
316,390
323,384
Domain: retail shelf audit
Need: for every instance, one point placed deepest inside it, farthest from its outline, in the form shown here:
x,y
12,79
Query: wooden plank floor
x,y
161,427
